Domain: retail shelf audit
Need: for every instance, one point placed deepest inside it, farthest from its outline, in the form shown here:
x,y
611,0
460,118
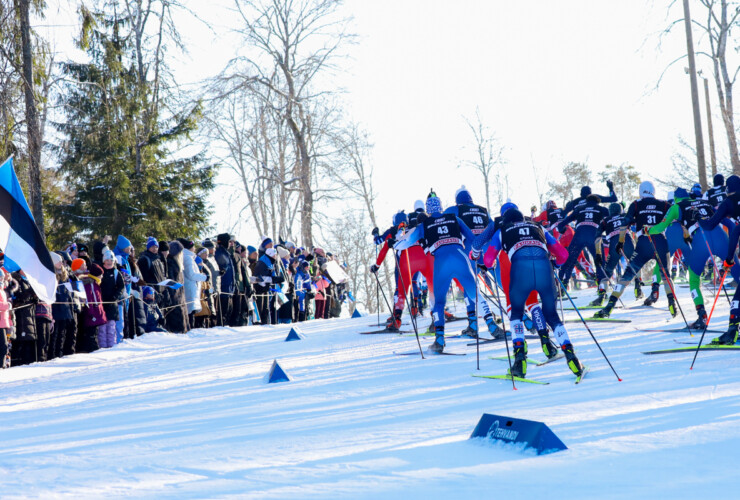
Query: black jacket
x,y
25,317
112,289
152,268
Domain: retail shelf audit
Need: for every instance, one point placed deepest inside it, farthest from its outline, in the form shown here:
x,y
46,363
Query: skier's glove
x,y
688,239
375,232
474,254
619,246
391,241
727,265
597,260
610,185
374,268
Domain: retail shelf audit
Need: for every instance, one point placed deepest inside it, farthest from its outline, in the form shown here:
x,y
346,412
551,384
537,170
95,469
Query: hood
x,y
176,248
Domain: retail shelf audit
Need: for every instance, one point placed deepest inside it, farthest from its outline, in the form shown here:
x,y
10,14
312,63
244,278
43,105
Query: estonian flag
x,y
21,239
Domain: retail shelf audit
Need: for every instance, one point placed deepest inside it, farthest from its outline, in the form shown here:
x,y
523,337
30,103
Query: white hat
x,y
271,252
108,255
55,258
647,190
284,254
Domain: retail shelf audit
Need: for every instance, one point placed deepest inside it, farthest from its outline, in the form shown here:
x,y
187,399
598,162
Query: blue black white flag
x,y
21,239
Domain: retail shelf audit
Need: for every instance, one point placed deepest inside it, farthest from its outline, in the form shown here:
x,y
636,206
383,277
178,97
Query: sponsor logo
x,y
497,432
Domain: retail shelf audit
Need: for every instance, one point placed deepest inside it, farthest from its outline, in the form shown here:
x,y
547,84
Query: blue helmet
x,y
400,218
506,206
463,196
696,190
434,205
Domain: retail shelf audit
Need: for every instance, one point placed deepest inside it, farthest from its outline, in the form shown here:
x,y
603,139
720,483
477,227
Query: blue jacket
x,y
226,268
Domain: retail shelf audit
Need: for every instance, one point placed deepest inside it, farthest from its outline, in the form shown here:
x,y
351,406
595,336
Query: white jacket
x,y
192,280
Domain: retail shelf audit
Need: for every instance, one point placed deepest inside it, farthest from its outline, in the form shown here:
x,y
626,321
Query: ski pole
x,y
388,305
477,335
721,284
711,255
586,325
413,320
377,289
506,338
667,278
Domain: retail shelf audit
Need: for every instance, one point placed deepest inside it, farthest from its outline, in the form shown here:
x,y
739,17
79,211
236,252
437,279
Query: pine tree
x,y
107,105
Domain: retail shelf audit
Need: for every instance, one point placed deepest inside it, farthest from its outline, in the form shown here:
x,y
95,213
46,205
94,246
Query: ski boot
x,y
701,321
519,366
394,322
727,338
573,363
438,345
654,295
470,333
547,346
638,289
672,305
599,300
496,331
607,310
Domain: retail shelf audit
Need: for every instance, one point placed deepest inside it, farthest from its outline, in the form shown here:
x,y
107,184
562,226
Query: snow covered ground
x,y
189,416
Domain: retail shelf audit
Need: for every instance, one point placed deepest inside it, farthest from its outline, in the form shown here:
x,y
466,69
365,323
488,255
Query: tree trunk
x,y
701,165
32,118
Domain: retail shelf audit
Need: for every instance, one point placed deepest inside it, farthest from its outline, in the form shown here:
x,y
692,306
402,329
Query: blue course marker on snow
x,y
357,314
277,374
295,334
535,435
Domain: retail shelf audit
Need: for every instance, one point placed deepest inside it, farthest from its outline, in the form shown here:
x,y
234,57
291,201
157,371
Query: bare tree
x,y
721,26
294,41
488,156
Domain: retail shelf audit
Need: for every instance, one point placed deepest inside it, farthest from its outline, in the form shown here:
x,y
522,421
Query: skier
x,y
587,217
611,227
529,248
585,192
642,213
443,235
728,209
717,194
532,305
477,219
408,262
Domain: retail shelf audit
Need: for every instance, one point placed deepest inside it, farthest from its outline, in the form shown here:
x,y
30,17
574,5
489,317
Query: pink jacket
x,y
5,316
94,315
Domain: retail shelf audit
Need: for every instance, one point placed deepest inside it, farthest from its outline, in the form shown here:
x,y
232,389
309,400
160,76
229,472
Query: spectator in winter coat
x,y
252,257
206,315
6,323
64,313
237,304
122,251
226,271
265,278
113,290
246,280
302,287
150,264
193,278
98,248
23,351
210,261
154,317
93,314
137,313
177,315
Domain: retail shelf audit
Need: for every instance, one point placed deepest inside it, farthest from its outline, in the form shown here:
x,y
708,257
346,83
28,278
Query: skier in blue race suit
x,y
477,219
528,247
443,235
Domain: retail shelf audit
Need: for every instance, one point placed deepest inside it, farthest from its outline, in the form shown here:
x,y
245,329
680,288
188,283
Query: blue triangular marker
x,y
277,374
357,313
295,334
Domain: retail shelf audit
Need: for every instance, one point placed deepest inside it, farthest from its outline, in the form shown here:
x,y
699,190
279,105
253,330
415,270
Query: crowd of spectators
x,y
105,294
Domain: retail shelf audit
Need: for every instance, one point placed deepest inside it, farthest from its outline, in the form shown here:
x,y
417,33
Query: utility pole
x,y
33,128
695,98
710,130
